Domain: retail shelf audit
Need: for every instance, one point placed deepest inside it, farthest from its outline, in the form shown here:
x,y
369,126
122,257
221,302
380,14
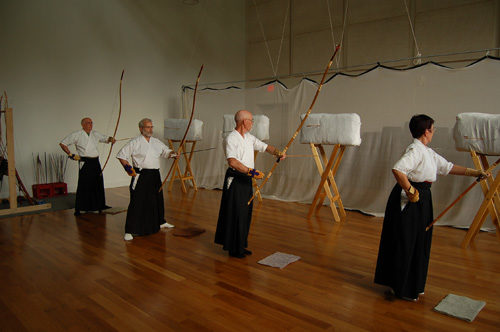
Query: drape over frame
x,y
385,99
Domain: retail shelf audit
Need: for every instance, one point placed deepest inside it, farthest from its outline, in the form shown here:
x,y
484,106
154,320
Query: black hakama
x,y
405,246
145,212
235,214
90,191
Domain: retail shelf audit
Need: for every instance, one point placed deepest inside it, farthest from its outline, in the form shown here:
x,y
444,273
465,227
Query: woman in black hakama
x,y
405,245
403,232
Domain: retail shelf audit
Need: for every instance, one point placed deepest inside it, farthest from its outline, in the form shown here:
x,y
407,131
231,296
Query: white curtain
x,y
385,99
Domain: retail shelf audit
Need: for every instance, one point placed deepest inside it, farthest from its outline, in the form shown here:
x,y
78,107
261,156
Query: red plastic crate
x,y
45,190
59,188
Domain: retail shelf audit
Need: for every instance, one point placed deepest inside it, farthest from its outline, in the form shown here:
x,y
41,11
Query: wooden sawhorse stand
x,y
188,172
327,184
9,125
491,202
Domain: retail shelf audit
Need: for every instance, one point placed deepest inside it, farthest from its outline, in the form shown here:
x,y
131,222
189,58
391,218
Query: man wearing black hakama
x,y
235,214
145,211
405,245
90,190
145,214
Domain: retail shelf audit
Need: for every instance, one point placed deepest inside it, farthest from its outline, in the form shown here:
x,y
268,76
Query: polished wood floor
x,y
59,272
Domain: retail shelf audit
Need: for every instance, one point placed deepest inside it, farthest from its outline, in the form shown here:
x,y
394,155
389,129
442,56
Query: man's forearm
x,y
270,149
123,162
237,165
64,148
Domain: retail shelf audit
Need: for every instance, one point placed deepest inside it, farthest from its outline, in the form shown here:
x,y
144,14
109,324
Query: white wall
x,y
61,60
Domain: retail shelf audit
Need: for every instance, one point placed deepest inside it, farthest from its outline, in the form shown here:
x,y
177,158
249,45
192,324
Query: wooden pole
x,y
452,204
478,180
481,213
9,134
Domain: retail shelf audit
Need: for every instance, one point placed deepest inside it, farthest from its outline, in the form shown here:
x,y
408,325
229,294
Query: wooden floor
x,y
60,272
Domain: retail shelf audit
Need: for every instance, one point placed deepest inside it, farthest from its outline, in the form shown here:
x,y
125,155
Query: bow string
x,y
117,123
176,161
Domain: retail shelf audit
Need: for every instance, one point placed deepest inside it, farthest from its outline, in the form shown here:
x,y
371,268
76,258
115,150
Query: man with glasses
x,y
235,214
145,214
90,190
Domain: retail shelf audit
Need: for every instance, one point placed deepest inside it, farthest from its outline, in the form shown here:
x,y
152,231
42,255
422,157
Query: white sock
x,y
128,237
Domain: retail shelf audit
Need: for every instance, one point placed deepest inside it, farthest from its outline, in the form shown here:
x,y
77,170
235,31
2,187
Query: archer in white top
x,y
242,148
405,245
235,214
90,194
85,140
421,164
143,153
145,214
240,145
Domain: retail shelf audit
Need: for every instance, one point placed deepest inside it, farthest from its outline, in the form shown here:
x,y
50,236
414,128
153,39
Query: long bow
x,y
176,161
300,126
478,180
117,123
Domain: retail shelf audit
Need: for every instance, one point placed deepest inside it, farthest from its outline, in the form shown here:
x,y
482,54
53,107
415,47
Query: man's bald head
x,y
87,125
242,115
244,121
86,120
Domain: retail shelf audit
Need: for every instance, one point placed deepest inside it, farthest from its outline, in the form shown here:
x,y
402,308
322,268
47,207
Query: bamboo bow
x,y
176,161
117,123
300,126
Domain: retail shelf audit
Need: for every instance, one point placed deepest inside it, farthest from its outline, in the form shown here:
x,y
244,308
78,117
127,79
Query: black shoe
x,y
237,255
247,252
409,299
77,213
104,208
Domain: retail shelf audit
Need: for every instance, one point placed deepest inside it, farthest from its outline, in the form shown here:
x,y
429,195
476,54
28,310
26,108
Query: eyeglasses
x,y
250,120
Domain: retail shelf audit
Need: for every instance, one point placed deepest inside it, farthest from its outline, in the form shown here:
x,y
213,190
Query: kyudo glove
x,y
256,174
73,156
130,170
412,194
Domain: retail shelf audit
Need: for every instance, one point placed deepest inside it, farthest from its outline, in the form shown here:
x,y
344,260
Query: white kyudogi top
x,y
241,148
144,154
421,164
86,144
